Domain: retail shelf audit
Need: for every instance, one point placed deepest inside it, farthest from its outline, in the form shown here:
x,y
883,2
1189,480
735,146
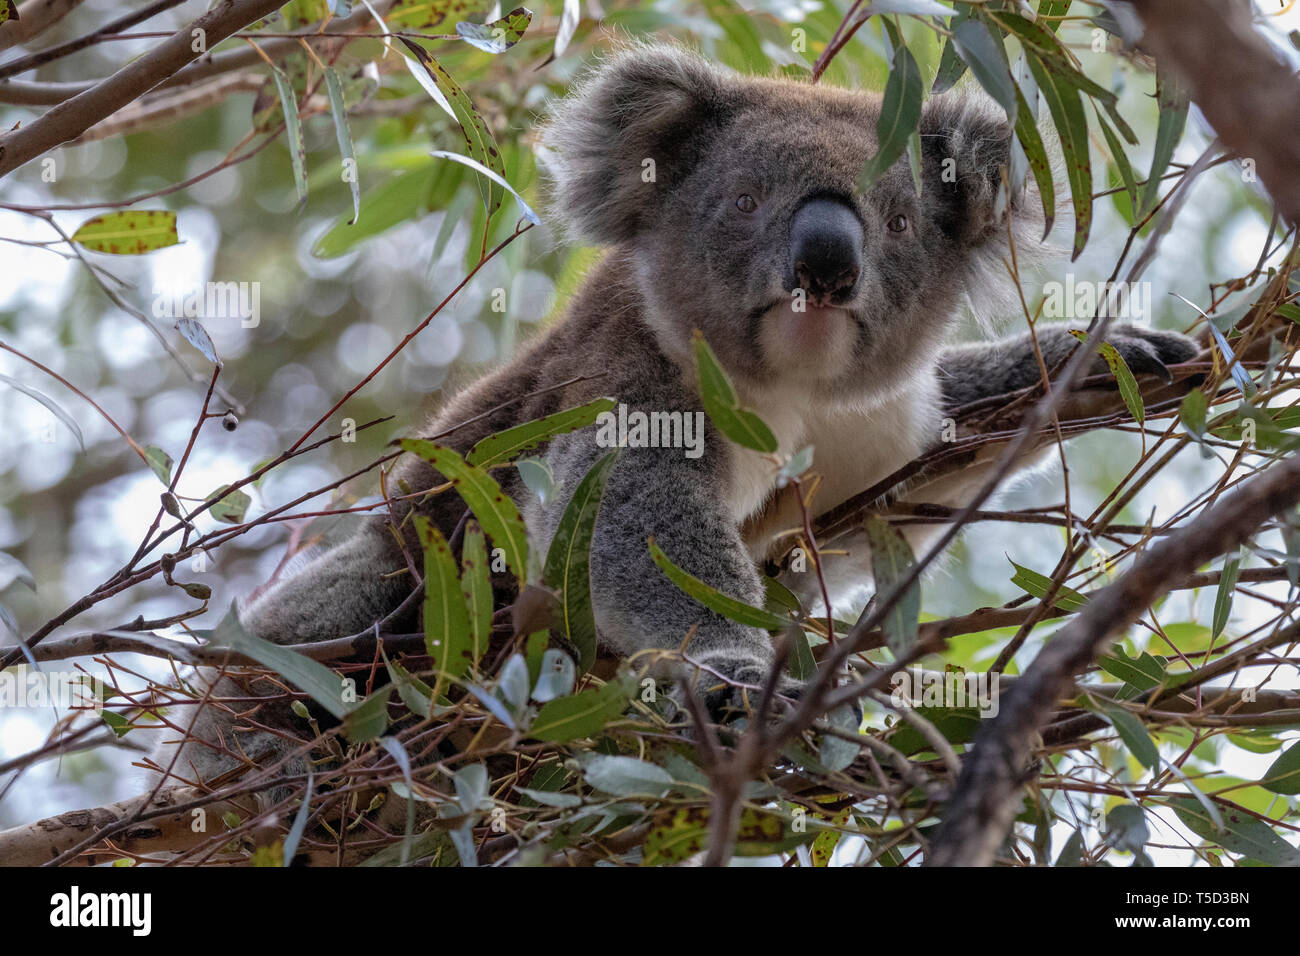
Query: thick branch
x,y
70,119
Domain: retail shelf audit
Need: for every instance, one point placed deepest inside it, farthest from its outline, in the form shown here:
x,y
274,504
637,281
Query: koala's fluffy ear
x,y
966,140
646,103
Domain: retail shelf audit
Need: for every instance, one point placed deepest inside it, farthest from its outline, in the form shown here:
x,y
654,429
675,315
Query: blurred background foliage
x,y
336,296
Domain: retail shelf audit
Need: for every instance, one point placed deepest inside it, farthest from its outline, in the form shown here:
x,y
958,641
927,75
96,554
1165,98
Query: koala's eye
x,y
746,203
897,224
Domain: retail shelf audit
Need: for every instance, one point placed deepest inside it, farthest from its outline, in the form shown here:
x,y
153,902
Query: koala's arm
x,y
339,591
968,373
679,501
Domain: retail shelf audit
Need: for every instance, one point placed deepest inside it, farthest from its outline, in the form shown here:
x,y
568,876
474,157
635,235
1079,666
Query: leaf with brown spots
x,y
683,832
479,142
495,511
429,13
129,232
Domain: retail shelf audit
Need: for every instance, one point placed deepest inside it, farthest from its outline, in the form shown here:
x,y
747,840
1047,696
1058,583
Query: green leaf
x,y
413,692
1052,11
891,561
823,847
1173,101
740,425
1257,742
958,725
537,478
900,112
1227,588
1066,107
493,508
499,35
525,210
622,776
1121,160
1036,154
504,445
1131,731
429,13
684,831
568,562
951,65
1284,775
476,586
1193,411
836,753
446,619
1128,386
339,110
1072,852
711,597
160,462
1143,672
1247,835
1030,33
129,232
802,665
479,142
547,799
403,197
986,58
229,507
292,130
581,715
312,677
369,719
117,723
1038,585
1126,828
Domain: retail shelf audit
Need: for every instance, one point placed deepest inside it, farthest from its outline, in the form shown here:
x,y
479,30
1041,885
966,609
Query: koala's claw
x,y
725,701
1149,351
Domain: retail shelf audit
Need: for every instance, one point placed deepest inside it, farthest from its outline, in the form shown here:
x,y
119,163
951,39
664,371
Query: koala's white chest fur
x,y
854,446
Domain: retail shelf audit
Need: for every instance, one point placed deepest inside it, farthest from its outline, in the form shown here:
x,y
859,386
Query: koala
x,y
729,205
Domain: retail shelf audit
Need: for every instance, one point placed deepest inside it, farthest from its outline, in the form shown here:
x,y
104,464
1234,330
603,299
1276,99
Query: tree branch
x,y
70,119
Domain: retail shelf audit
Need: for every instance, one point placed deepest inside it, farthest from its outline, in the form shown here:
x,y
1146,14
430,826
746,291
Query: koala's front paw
x,y
738,692
1149,351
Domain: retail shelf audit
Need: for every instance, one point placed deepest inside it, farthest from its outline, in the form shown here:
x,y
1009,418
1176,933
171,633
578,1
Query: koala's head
x,y
735,200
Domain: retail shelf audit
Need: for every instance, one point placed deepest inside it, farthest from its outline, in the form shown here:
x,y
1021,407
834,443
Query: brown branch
x,y
36,843
206,67
167,108
70,119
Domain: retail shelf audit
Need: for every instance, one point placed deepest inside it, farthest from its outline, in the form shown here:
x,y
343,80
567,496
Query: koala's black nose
x,y
826,249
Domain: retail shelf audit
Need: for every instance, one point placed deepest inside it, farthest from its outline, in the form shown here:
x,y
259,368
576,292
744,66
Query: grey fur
x,y
868,386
